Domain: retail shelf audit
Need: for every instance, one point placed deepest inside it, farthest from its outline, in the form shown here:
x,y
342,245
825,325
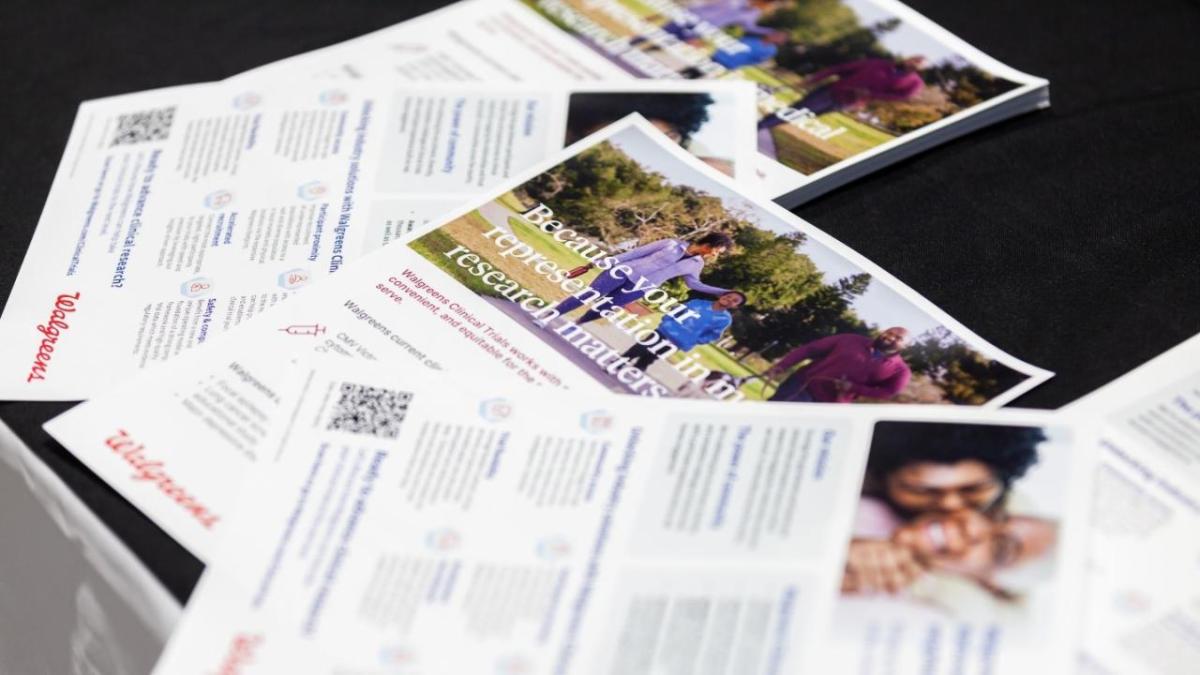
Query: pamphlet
x,y
844,86
624,265
410,524
180,213
1143,592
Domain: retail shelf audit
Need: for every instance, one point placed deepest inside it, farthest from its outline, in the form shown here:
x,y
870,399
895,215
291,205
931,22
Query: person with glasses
x,y
842,368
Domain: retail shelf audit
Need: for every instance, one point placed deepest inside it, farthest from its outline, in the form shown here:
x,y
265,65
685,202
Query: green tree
x,y
964,84
583,190
902,117
699,213
812,22
860,43
825,311
966,376
768,267
608,196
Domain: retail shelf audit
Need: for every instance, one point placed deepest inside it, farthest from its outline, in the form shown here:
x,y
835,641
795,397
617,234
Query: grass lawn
x,y
468,231
808,154
554,250
545,244
642,9
786,84
757,75
715,358
858,137
795,150
509,200
432,247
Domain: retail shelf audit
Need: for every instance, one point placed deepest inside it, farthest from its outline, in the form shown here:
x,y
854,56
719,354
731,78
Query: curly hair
x,y
1008,450
716,240
685,112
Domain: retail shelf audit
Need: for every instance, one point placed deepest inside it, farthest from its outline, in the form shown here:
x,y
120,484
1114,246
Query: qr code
x,y
145,126
374,411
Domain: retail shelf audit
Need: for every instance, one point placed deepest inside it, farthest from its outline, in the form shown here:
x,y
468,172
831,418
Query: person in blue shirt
x,y
753,50
708,327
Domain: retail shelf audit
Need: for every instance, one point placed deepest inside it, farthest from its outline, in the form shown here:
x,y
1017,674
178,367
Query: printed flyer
x,y
843,86
723,298
178,214
688,288
624,265
410,524
1143,611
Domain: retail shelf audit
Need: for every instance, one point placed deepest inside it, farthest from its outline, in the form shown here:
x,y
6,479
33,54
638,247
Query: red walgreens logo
x,y
155,472
51,331
241,653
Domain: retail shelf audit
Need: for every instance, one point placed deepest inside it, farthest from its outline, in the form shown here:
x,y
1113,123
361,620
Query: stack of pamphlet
x,y
580,396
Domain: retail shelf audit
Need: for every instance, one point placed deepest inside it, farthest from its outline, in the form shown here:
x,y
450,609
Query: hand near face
x,y
944,535
964,542
879,566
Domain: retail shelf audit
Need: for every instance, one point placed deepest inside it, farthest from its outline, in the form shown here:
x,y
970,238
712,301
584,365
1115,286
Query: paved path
x,y
497,214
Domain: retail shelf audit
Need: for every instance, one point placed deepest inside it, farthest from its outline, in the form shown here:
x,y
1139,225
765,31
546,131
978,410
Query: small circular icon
x,y
443,539
495,409
553,547
218,200
333,97
513,664
596,421
312,190
294,278
1132,602
196,287
246,100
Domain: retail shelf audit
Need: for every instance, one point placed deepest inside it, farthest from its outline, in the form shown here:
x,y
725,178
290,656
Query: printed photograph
x,y
835,77
704,124
956,519
658,280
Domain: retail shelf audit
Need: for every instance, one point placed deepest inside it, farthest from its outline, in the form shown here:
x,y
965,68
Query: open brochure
x,y
574,276
409,524
179,213
1143,611
844,86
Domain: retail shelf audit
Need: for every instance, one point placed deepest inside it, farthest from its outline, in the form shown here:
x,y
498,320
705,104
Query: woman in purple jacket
x,y
650,266
859,82
851,85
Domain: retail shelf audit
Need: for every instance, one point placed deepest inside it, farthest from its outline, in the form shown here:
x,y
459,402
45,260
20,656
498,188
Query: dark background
x,y
1067,237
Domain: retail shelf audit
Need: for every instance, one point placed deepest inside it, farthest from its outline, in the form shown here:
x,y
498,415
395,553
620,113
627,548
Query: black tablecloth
x,y
1068,237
